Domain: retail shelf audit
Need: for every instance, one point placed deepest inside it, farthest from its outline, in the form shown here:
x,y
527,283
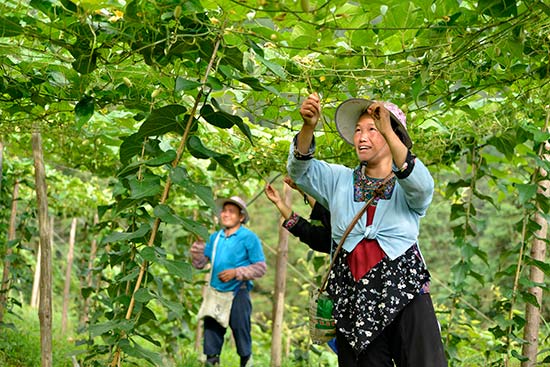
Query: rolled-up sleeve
x,y
252,271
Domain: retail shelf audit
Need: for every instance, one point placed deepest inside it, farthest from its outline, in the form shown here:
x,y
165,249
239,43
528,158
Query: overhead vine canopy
x,y
63,62
113,85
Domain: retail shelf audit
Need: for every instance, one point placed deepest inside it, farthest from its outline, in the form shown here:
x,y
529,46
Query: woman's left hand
x,y
381,117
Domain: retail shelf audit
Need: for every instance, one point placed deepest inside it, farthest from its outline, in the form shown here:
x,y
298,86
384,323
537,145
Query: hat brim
x,y
348,113
221,202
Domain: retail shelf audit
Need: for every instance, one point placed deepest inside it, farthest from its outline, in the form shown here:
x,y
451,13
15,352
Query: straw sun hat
x,y
349,111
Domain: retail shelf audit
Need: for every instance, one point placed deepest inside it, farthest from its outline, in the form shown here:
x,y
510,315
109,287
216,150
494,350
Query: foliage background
x,y
199,99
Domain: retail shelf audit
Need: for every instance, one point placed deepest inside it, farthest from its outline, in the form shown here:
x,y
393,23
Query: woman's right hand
x,y
272,194
311,110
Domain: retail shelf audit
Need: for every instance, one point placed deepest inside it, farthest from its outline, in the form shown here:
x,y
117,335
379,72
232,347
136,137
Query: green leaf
x,y
143,295
145,315
9,27
162,121
253,83
245,130
219,119
136,351
180,177
214,83
180,269
543,266
526,192
274,67
166,157
519,357
175,307
151,254
195,228
530,298
126,236
166,214
504,143
226,162
84,110
130,147
148,186
185,84
85,63
108,327
498,8
198,150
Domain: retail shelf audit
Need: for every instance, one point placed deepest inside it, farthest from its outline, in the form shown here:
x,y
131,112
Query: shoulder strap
x,y
214,252
378,192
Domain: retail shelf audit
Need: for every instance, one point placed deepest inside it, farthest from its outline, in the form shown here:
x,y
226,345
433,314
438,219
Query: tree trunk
x,y
36,280
280,287
5,285
538,252
35,297
45,309
68,271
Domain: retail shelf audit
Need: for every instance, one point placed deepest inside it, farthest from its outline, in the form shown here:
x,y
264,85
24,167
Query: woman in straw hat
x,y
379,282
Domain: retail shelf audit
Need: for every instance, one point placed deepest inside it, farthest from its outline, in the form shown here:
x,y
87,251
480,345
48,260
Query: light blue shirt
x,y
396,221
241,248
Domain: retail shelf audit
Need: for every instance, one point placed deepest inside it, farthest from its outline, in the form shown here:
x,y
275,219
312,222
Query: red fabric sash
x,y
366,254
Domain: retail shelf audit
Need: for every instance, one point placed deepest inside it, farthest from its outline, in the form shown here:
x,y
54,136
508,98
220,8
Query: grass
x,y
20,342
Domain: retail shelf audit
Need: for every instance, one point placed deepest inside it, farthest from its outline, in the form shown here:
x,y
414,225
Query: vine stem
x,y
165,193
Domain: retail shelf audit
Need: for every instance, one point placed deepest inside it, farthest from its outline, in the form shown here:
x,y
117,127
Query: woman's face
x,y
369,143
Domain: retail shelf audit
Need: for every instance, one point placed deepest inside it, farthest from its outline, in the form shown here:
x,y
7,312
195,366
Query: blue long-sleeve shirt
x,y
396,222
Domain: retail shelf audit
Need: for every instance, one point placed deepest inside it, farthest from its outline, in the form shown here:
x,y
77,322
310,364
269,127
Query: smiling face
x,y
370,145
231,216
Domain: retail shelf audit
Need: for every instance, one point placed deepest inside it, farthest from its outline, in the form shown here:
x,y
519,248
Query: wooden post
x,y
45,309
280,287
68,271
536,275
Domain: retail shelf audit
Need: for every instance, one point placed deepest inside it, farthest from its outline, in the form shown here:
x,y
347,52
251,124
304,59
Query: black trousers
x,y
413,339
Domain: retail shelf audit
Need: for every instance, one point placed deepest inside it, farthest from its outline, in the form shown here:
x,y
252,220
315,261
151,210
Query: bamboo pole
x,y
168,185
45,309
280,288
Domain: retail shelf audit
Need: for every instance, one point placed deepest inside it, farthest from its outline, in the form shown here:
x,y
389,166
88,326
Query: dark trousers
x,y
239,322
413,339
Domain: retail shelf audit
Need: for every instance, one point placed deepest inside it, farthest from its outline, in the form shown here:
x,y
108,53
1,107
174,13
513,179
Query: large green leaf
x,y
136,351
147,186
180,269
84,110
195,228
180,177
163,158
166,214
198,150
162,121
9,27
219,119
127,236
